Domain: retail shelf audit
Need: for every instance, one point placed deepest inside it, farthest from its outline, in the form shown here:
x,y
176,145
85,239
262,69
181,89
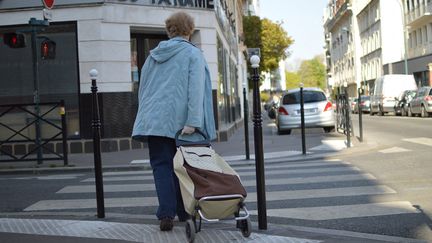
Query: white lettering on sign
x,y
186,3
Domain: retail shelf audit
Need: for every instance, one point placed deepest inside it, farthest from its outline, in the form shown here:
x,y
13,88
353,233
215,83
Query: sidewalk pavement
x,y
126,228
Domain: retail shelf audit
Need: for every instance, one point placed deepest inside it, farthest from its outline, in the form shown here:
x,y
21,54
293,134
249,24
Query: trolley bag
x,y
203,174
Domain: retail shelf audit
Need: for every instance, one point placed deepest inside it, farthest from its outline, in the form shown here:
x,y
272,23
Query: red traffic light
x,y
48,49
14,40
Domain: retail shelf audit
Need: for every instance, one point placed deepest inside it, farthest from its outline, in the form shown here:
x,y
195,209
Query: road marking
x,y
331,145
51,177
109,188
91,203
314,179
423,141
269,182
252,197
244,173
394,150
322,193
269,155
343,211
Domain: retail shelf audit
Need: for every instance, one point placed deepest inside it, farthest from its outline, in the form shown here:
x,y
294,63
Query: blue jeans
x,y
162,151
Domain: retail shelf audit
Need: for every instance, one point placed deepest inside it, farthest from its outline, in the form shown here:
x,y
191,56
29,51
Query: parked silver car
x,y
317,109
421,103
364,104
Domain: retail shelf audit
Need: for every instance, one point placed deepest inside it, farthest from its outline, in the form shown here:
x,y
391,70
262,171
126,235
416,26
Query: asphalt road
x,y
382,186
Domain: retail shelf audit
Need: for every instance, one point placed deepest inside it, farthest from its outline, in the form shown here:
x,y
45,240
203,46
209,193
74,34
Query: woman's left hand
x,y
188,130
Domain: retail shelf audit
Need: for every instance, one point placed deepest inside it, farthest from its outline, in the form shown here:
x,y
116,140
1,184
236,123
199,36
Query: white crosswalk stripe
x,y
298,176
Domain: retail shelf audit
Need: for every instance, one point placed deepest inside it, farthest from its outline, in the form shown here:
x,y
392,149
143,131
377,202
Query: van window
x,y
309,97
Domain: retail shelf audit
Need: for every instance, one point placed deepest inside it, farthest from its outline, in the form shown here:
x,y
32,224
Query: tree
x,y
292,80
275,42
270,37
312,73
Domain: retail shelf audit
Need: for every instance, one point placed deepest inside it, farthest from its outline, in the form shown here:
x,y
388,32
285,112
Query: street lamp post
x,y
258,140
96,124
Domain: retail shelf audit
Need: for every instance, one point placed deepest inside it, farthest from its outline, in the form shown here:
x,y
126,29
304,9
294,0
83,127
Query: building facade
x,y
115,37
418,30
369,38
341,57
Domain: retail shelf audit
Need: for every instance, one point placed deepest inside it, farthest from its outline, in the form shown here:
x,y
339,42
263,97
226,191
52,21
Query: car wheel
x,y
283,132
328,129
403,111
380,111
424,113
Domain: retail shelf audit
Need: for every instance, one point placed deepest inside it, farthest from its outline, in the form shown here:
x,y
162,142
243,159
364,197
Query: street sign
x,y
49,4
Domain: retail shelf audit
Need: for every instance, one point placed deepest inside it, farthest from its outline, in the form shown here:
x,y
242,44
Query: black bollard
x,y
360,114
347,122
64,132
246,123
302,120
96,125
258,140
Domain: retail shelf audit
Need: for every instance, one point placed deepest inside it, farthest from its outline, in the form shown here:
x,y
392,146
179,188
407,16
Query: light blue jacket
x,y
175,90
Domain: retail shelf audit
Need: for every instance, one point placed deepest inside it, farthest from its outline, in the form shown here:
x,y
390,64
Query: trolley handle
x,y
179,142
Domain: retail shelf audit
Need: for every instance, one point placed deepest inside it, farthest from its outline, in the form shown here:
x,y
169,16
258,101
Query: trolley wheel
x,y
190,231
246,227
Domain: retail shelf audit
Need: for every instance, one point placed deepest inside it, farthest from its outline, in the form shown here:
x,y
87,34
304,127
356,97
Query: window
x,y
419,37
309,96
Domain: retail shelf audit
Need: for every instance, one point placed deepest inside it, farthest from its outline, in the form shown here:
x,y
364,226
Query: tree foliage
x,y
312,72
275,42
270,37
292,80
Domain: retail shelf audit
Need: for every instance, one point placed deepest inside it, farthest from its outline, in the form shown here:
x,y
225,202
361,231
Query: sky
x,y
303,22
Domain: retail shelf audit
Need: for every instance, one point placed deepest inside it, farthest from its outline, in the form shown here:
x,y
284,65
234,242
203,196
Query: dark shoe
x,y
184,218
166,224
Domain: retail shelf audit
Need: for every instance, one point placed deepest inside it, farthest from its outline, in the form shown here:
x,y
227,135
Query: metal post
x,y
258,140
64,132
302,120
347,122
246,123
360,114
96,124
36,98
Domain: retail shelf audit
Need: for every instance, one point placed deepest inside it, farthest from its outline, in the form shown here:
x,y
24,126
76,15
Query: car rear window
x,y
309,97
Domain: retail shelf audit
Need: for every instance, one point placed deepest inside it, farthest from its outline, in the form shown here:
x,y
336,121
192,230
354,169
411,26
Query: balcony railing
x,y
417,13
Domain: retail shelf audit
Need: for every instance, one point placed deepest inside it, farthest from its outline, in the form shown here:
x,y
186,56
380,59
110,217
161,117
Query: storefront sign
x,y
201,4
186,3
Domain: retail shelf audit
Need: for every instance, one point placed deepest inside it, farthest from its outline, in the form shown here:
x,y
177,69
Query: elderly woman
x,y
174,94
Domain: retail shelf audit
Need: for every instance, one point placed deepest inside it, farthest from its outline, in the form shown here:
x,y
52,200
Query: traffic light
x,y
14,40
48,49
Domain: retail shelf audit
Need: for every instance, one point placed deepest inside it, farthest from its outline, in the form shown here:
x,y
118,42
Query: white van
x,y
386,89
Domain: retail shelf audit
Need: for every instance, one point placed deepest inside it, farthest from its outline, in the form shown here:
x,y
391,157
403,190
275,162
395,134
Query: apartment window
x,y
425,34
419,37
430,32
410,40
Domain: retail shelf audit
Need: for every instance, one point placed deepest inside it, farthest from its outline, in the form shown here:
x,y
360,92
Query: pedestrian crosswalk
x,y
319,185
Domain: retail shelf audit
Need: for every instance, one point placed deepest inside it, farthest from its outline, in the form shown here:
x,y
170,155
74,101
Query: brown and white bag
x,y
203,173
